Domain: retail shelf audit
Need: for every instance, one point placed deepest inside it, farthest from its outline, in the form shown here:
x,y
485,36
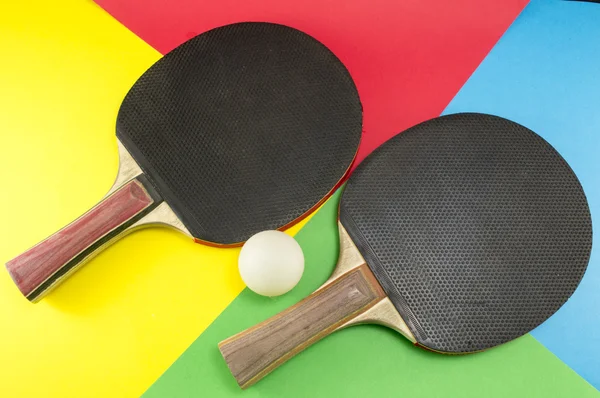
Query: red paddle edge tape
x,y
446,353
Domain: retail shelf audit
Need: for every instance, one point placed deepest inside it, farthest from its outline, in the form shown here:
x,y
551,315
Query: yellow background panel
x,y
119,322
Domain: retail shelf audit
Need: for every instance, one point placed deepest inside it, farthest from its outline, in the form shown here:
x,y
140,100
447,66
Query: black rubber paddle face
x,y
244,128
476,227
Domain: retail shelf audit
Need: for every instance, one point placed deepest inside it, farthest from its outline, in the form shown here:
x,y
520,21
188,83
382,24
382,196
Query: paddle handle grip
x,y
46,264
254,353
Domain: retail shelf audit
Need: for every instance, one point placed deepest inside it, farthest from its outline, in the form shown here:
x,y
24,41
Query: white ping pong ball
x,y
271,263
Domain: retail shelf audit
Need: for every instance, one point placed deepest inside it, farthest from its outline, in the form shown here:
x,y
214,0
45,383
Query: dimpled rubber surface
x,y
477,229
243,128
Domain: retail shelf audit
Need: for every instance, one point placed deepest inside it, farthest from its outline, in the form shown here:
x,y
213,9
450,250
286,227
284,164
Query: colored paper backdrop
x,y
123,319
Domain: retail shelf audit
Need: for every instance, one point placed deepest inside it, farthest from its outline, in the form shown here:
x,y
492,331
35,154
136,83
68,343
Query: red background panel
x,y
408,58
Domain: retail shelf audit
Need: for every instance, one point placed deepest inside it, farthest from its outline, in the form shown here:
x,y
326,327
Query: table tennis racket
x,y
244,128
462,233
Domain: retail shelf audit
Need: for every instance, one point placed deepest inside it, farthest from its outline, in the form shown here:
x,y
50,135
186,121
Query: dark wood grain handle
x,y
254,353
46,264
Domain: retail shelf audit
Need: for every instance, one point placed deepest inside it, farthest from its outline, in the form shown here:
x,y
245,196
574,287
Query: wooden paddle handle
x,y
46,264
255,352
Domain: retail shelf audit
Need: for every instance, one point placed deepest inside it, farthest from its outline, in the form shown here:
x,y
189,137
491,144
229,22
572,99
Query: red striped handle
x,y
46,264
